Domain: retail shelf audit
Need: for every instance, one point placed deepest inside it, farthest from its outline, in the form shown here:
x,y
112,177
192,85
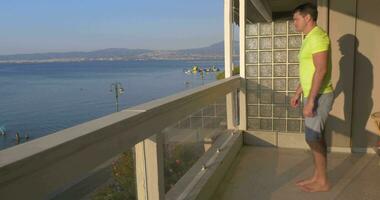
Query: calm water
x,y
39,99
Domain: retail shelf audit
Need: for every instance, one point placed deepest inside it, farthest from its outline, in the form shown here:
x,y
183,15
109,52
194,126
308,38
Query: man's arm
x,y
299,90
320,63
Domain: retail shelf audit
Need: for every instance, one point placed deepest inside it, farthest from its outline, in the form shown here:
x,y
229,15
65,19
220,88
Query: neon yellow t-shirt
x,y
315,41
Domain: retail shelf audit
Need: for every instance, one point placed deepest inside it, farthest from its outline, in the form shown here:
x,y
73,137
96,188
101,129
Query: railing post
x,y
230,100
231,110
149,155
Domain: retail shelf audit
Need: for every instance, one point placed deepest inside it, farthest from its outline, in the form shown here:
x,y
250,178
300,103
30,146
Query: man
x,y
315,85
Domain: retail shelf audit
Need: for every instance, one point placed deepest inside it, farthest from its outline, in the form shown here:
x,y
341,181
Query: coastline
x,y
105,60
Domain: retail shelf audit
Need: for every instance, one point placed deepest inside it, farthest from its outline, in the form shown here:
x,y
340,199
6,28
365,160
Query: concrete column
x,y
228,38
228,66
243,88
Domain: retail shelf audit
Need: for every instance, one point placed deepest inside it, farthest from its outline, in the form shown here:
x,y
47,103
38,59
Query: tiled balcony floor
x,y
269,173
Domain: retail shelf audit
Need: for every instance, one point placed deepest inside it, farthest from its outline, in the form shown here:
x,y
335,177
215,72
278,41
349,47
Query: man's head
x,y
304,15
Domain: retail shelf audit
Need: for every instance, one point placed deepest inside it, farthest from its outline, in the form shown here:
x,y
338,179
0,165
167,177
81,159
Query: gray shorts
x,y
315,126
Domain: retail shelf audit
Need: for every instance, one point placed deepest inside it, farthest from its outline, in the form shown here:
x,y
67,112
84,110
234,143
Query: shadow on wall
x,y
355,117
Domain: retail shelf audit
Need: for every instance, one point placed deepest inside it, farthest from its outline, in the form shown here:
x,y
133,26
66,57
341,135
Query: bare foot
x,y
316,186
305,181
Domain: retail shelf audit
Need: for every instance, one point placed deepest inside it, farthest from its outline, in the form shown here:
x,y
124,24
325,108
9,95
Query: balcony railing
x,y
63,164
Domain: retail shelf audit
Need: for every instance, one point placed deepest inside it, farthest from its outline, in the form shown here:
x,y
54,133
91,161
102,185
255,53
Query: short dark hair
x,y
307,8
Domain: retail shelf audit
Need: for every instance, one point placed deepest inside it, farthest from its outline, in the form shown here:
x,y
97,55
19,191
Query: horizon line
x,y
87,51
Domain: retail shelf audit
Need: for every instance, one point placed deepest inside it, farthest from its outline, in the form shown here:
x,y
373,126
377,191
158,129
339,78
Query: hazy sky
x,y
32,26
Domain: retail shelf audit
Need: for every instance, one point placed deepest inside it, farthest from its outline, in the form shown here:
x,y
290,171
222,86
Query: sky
x,y
36,26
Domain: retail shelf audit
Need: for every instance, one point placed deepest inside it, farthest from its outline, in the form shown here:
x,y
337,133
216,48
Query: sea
x,y
42,98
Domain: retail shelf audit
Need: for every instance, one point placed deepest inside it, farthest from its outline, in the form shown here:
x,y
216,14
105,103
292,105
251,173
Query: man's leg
x,y
319,182
314,129
319,152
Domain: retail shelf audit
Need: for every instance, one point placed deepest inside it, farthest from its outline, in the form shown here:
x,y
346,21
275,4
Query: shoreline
x,y
104,60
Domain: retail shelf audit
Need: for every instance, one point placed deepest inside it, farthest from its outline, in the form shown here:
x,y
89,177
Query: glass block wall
x,y
272,76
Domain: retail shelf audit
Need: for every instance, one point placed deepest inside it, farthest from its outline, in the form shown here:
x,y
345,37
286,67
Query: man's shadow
x,y
358,103
357,93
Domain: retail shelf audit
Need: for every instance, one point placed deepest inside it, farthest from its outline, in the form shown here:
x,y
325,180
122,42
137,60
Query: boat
x,y
195,69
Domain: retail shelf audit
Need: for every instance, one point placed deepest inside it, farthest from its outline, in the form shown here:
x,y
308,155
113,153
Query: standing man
x,y
315,85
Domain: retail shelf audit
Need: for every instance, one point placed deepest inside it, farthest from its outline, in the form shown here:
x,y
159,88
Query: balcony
x,y
73,163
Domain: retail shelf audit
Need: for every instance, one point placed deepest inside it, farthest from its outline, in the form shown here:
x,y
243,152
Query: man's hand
x,y
295,101
308,110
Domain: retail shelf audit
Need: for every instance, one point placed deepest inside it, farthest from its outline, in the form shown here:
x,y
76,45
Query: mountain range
x,y
214,51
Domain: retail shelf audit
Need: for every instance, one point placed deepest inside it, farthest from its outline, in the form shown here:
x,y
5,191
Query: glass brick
x,y
279,125
291,29
251,57
265,57
265,71
293,70
252,84
279,98
251,29
279,28
253,123
279,84
251,43
266,124
294,42
266,111
293,56
266,97
294,125
292,84
265,43
252,111
289,96
279,56
280,42
279,70
266,84
251,70
252,97
279,111
265,28
294,112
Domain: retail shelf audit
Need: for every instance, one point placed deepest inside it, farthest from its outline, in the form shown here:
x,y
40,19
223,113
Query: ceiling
x,y
275,9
